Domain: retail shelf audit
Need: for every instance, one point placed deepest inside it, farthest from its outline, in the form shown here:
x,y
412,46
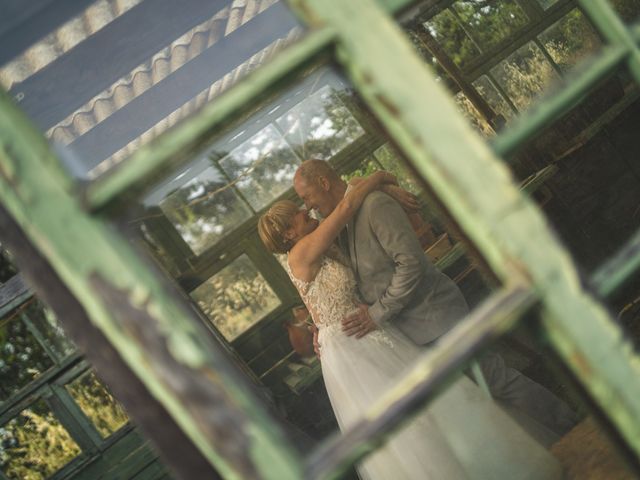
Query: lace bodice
x,y
331,295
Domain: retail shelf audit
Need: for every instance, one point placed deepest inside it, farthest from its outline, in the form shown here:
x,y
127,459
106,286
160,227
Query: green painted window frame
x,y
593,350
50,387
539,21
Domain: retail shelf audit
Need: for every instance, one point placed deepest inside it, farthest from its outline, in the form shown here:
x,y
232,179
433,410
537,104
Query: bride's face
x,y
302,224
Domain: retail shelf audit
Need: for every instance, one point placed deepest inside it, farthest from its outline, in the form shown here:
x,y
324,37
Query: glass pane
x,y
473,115
35,445
524,75
629,10
570,40
448,32
50,330
204,208
490,22
236,297
417,35
118,74
320,126
22,358
262,167
485,87
391,161
547,3
96,402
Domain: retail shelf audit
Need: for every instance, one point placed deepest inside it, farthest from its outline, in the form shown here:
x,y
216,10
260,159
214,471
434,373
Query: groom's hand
x,y
358,323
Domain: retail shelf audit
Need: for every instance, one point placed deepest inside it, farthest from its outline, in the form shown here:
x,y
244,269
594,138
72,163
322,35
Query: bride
x,y
462,434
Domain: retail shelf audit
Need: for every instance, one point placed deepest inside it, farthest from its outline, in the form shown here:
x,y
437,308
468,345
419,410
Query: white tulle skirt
x,y
461,435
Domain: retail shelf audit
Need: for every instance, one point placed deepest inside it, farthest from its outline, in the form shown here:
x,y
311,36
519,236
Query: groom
x,y
398,284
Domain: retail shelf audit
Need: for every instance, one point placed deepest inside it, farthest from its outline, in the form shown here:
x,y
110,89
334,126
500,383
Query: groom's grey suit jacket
x,y
394,276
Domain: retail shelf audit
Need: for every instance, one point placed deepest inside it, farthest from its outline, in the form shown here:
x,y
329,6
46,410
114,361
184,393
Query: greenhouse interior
x,y
146,330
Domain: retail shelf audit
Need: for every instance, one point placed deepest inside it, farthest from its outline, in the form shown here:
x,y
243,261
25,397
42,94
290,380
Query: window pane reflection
x,y
35,445
491,22
448,32
320,126
204,209
50,330
391,161
96,402
524,75
570,40
472,114
493,97
22,358
262,167
236,297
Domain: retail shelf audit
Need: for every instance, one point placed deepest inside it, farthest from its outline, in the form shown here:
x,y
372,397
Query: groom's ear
x,y
324,183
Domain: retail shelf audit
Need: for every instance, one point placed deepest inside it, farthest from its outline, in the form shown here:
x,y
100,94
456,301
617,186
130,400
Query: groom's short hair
x,y
311,170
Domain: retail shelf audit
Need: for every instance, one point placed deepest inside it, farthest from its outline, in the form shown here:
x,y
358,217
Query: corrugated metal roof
x,y
216,89
63,39
161,65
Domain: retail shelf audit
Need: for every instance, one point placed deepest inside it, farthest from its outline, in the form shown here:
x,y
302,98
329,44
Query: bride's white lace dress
x,y
462,434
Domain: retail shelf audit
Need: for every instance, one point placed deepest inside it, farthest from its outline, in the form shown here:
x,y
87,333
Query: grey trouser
x,y
517,392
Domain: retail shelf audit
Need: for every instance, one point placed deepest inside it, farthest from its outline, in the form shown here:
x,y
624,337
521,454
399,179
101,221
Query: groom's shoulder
x,y
376,200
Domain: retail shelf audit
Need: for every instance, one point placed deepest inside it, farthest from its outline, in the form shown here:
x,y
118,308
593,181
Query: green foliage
x,y
474,117
236,298
22,358
446,29
570,40
490,22
35,445
392,162
471,27
368,166
95,401
524,75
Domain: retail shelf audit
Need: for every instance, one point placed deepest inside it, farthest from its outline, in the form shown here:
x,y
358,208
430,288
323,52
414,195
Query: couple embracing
x,y
377,302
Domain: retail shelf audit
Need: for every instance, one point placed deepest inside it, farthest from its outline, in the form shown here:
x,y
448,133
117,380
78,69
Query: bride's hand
x,y
316,346
407,200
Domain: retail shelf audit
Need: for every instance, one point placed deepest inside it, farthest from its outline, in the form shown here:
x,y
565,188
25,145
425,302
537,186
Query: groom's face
x,y
314,194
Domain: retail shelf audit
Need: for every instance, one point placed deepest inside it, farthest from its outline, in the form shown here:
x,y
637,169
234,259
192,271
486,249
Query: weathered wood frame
x,y
153,333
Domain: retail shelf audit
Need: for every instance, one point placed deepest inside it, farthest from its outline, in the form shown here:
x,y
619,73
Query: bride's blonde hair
x,y
273,224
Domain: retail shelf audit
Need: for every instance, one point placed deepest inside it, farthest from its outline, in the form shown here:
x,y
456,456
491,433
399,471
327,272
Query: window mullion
x,y
548,57
528,32
454,72
41,340
552,108
70,416
611,27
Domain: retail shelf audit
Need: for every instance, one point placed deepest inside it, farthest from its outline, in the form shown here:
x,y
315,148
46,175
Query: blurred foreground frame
x,y
155,355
